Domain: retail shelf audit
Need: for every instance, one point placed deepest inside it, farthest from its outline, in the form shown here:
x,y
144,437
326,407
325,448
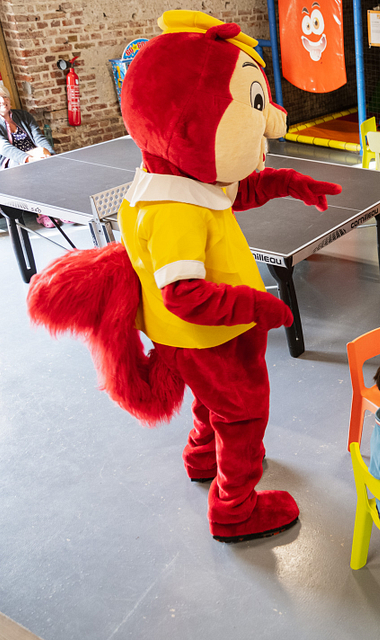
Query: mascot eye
x,y
306,26
317,22
257,96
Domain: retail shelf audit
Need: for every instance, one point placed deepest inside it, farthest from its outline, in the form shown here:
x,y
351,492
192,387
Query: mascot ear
x,y
276,122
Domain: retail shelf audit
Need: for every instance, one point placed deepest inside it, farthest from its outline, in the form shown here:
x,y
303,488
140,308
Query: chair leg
x,y
356,421
361,538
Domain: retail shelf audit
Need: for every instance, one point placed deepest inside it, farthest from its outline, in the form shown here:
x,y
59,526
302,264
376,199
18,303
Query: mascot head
x,y
197,102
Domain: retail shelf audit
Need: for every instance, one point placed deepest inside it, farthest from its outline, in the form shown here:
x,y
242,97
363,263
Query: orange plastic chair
x,y
363,398
366,512
365,127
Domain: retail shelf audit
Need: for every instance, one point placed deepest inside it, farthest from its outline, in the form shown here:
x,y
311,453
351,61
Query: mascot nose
x,y
276,122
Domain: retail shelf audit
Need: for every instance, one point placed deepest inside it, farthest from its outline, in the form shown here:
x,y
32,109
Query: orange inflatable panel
x,y
312,46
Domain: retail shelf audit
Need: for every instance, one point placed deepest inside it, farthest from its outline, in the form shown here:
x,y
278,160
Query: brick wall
x,y
38,33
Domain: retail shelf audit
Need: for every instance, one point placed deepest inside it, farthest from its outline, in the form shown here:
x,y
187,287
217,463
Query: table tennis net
x,y
107,203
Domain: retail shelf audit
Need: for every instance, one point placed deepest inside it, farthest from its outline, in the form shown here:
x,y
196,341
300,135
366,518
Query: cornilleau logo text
x,y
364,218
260,257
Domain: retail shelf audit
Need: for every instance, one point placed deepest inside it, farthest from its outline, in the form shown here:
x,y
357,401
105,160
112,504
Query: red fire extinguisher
x,y
73,103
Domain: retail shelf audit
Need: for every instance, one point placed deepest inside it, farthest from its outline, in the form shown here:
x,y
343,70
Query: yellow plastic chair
x,y
366,511
365,127
363,398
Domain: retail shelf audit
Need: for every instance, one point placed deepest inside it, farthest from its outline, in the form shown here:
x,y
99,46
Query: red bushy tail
x,y
94,294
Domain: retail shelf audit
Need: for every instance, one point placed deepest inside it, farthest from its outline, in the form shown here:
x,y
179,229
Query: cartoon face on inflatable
x,y
311,38
197,102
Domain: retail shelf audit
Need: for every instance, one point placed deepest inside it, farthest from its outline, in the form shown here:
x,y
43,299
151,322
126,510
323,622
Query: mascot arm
x,y
207,303
261,187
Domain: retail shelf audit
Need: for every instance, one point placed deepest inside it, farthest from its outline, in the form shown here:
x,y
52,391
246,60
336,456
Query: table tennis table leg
x,y
21,243
101,233
294,334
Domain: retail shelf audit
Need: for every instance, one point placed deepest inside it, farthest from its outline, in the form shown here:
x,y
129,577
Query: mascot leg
x,y
199,454
232,381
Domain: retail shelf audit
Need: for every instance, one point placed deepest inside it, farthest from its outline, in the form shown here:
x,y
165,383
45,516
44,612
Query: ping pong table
x,y
280,234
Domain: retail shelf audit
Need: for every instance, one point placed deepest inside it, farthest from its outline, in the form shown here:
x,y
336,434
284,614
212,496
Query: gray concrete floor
x,y
102,536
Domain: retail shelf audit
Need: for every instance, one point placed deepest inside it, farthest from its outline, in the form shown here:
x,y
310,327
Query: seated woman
x,y
20,140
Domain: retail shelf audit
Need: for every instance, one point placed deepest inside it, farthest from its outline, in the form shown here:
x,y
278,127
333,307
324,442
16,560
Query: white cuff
x,y
179,270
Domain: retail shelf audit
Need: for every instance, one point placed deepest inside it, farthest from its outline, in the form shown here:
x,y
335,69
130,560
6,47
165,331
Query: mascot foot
x,y
275,512
201,475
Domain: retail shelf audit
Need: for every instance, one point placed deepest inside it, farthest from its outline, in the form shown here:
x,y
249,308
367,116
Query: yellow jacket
x,y
175,228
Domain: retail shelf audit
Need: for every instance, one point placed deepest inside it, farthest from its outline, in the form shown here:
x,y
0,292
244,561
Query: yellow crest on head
x,y
182,21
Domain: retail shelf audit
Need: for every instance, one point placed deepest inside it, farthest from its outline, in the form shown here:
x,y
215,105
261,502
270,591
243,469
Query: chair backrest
x,y
363,480
365,127
359,350
106,203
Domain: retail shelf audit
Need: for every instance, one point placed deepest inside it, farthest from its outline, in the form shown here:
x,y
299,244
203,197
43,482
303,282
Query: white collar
x,y
154,187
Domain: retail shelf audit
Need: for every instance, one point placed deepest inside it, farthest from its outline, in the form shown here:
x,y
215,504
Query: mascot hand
x,y
312,192
271,312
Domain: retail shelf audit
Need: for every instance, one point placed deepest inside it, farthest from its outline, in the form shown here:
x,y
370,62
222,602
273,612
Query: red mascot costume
x,y
197,103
